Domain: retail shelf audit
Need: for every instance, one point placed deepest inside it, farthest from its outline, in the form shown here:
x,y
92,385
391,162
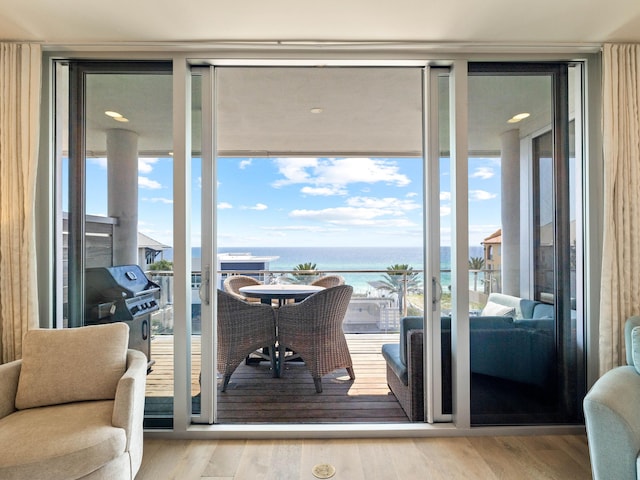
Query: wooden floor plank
x,y
546,457
255,396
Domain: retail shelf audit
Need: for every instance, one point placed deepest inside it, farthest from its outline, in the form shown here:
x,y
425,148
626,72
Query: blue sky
x,y
309,201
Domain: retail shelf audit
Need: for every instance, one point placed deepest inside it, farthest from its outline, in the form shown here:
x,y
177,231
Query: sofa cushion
x,y
65,441
492,309
391,353
97,356
543,311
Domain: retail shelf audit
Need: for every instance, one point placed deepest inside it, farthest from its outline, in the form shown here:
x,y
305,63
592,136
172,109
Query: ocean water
x,y
338,259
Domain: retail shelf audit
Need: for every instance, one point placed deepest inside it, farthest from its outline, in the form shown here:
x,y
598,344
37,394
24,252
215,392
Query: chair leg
x,y
352,375
225,382
281,352
318,383
274,363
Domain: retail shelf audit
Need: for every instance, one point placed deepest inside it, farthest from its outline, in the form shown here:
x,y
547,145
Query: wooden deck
x,y
254,396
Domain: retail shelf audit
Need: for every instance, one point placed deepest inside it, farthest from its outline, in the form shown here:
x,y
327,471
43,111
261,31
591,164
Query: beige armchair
x,y
73,407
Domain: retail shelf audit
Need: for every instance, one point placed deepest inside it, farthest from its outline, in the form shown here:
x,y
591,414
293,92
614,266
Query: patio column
x,y
510,153
122,172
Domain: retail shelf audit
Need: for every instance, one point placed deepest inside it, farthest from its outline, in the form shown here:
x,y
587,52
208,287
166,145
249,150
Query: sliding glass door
x,y
318,171
448,194
114,210
524,233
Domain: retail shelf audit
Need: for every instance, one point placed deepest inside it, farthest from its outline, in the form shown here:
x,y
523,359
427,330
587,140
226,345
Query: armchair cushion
x,y
85,440
49,356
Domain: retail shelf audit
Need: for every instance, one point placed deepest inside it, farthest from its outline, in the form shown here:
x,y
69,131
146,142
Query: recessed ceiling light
x,y
316,110
112,114
518,117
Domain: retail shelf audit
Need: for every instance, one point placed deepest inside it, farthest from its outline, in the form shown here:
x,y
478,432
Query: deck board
x,y
254,396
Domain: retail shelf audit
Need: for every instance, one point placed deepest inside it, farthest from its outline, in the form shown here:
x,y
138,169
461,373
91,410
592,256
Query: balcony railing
x,y
380,299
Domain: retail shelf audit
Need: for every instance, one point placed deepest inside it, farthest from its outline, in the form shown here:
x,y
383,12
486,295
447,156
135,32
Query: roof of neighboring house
x,y
145,241
494,238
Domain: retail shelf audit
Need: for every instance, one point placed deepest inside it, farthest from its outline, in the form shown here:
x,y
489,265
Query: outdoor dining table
x,y
280,292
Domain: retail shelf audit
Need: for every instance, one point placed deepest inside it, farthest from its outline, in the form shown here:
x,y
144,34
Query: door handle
x,y
436,289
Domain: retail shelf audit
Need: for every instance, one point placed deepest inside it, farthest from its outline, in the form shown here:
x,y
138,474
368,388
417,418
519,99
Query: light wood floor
x,y
553,457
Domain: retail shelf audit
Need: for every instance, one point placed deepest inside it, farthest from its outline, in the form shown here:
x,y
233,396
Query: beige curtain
x,y
620,292
20,70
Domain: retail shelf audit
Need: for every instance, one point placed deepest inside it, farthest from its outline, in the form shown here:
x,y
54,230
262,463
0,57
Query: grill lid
x,y
118,282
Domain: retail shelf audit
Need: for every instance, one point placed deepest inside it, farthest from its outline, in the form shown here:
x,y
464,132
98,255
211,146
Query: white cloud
x,y
245,163
145,182
445,195
257,206
338,172
445,210
166,201
224,206
484,173
323,191
393,204
294,170
354,216
145,165
479,195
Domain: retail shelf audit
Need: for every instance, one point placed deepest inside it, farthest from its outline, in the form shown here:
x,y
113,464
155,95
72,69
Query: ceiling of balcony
x,y
312,111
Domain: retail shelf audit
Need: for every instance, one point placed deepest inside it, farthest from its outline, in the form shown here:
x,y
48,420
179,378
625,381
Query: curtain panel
x,y
20,85
620,288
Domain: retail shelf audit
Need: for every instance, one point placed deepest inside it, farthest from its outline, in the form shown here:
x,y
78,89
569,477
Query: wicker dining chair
x,y
233,283
313,330
329,281
242,329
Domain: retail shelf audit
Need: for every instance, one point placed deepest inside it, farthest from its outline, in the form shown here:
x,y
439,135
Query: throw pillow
x,y
492,309
72,364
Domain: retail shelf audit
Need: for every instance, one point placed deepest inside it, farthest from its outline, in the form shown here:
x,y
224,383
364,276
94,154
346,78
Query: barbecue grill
x,y
123,293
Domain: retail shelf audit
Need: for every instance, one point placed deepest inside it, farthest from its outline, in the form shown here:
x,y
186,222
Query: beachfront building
x,y
492,246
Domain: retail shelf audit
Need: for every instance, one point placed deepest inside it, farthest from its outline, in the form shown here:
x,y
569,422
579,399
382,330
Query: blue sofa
x,y
611,415
517,346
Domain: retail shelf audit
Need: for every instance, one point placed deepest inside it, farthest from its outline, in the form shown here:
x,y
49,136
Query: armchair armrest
x,y
613,423
128,409
9,375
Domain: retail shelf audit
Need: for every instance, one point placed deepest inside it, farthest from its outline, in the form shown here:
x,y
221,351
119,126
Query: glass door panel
x,y
116,212
320,171
522,236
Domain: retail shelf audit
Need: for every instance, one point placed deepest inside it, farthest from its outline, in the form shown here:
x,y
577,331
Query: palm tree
x,y
476,264
305,272
401,279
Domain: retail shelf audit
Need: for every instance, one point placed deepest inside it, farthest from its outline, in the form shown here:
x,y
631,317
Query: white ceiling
x,y
267,111
492,21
